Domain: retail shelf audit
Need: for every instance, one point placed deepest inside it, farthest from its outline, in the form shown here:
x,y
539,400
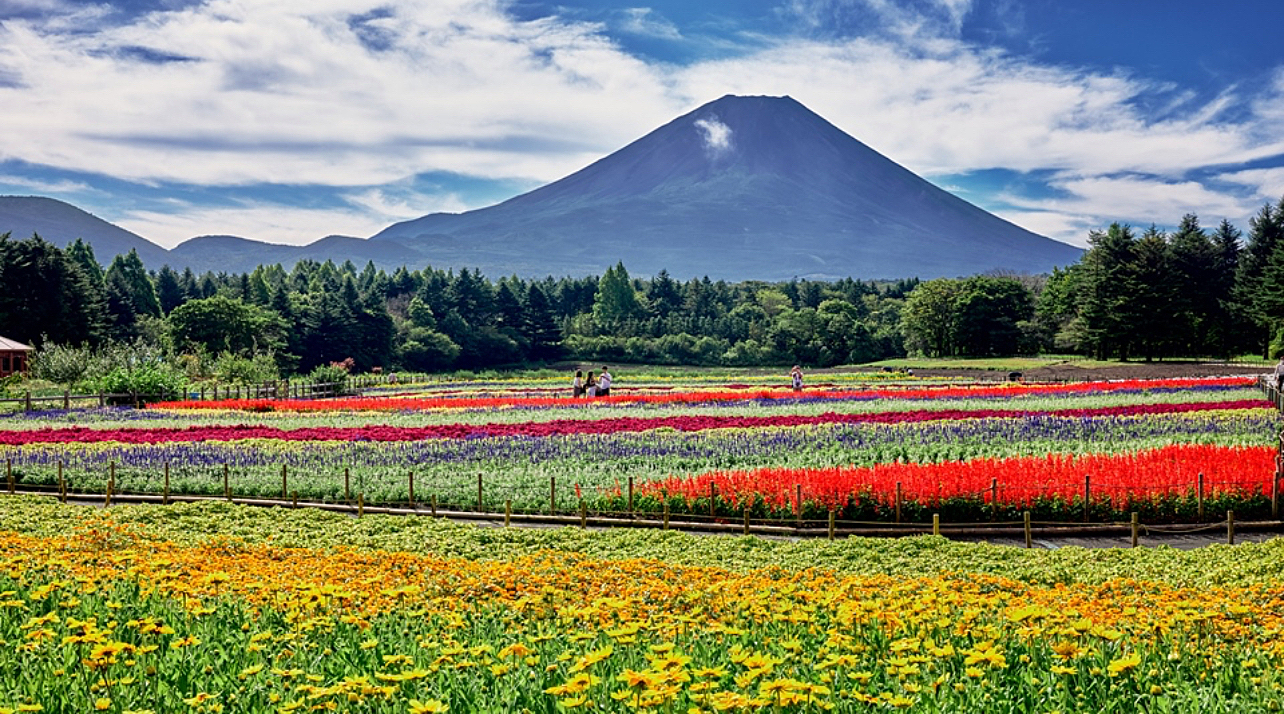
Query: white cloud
x,y
1093,202
1267,184
716,135
279,94
290,93
45,187
646,22
403,207
268,223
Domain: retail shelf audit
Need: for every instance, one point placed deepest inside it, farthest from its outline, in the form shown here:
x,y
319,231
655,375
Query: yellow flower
x,y
102,704
432,706
1123,664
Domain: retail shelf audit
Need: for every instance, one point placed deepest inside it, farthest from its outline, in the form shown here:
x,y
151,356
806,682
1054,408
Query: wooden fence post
x,y
62,484
66,399
28,400
583,514
994,499
1087,496
798,502
1199,496
936,524
8,474
1230,528
552,495
412,489
713,498
434,505
898,502
508,512
227,487
285,489
361,504
479,493
1135,527
165,492
294,499
630,497
111,484
347,483
666,513
1029,540
746,521
831,524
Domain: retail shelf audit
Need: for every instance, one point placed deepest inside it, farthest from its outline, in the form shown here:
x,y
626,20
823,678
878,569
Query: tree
x,y
1109,284
48,297
1265,238
541,329
927,320
988,316
222,324
169,292
1152,305
616,302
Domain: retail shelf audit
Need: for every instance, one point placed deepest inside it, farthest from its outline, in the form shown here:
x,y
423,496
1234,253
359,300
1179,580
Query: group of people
x,y
599,386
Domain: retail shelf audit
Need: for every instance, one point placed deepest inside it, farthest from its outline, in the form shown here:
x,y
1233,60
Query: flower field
x,y
221,608
967,451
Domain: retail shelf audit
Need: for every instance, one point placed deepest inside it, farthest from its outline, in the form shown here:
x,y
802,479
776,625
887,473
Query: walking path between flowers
x,y
1181,537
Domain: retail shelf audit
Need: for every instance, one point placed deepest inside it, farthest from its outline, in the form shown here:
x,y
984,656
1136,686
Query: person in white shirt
x,y
796,378
590,386
604,383
1279,373
577,384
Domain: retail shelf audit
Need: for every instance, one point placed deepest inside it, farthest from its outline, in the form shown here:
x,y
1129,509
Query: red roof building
x,y
13,356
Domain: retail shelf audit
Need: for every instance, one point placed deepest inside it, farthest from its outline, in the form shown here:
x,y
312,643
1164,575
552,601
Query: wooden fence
x,y
283,389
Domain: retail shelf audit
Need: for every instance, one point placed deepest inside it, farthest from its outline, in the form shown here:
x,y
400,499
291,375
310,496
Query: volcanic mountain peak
x,y
742,187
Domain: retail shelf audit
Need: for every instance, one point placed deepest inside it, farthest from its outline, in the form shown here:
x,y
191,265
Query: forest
x,y
1192,292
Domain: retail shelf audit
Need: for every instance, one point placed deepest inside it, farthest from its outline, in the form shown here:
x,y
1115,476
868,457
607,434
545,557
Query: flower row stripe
x,y
697,397
573,426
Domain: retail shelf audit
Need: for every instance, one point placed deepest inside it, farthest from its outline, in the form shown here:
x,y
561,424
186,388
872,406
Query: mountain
x,y
241,255
62,223
740,188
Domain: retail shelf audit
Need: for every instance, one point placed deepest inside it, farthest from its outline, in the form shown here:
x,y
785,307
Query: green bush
x,y
145,382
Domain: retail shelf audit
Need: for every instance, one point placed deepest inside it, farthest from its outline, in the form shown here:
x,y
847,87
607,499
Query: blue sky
x,y
287,122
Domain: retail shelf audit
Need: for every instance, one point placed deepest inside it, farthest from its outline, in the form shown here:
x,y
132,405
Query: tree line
x,y
1191,292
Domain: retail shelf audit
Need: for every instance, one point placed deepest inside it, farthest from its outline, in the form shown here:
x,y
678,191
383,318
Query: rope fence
x,y
566,504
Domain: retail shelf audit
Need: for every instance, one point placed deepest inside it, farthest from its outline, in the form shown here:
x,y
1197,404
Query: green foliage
x,y
148,381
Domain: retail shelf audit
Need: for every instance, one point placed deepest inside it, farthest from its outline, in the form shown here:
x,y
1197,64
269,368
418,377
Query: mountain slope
x,y
741,188
62,223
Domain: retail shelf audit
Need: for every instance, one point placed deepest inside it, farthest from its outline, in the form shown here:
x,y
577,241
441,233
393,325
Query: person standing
x,y
1279,373
796,379
604,383
577,384
590,386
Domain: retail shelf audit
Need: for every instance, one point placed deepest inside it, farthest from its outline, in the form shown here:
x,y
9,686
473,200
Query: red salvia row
x,y
1122,478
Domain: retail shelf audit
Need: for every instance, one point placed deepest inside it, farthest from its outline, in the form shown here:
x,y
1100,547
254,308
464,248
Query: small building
x,y
13,356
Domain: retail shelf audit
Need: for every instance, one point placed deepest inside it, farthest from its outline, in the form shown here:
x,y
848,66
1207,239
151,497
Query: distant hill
x,y
62,223
233,254
743,187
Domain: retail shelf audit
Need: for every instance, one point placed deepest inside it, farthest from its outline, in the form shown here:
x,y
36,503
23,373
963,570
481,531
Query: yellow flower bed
x,y
107,619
